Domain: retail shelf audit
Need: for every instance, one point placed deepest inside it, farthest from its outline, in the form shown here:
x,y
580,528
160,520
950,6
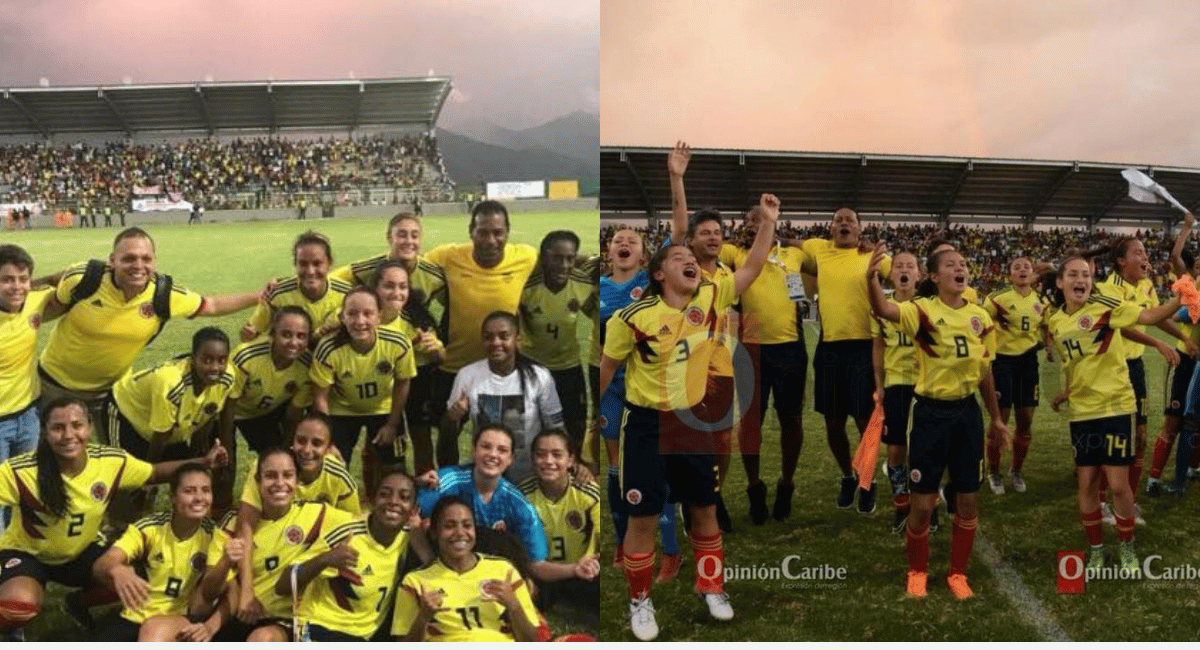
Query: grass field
x,y
1025,531
218,258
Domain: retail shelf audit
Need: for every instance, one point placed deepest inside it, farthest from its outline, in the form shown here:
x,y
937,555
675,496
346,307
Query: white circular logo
x,y
634,497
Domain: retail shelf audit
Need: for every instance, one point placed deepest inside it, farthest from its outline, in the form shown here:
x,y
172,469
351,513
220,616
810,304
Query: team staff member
x,y
666,340
483,276
1102,398
311,289
842,362
112,317
955,343
1020,316
64,488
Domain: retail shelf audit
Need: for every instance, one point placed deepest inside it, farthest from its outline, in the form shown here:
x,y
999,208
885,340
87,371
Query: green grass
x,y
1027,530
231,257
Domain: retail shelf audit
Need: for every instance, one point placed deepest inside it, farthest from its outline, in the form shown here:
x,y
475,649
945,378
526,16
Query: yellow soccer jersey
x,y
570,522
722,357
842,288
53,540
971,295
304,531
288,292
768,311
261,387
953,346
105,330
1090,342
19,383
163,398
173,567
474,292
467,615
1018,320
549,336
427,277
408,328
1142,295
355,602
667,351
361,384
333,485
899,353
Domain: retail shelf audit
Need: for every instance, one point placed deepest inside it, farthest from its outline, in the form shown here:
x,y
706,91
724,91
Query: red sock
x,y
15,614
901,502
1125,529
917,546
639,573
1091,527
710,563
993,455
1020,450
962,540
1162,451
1135,471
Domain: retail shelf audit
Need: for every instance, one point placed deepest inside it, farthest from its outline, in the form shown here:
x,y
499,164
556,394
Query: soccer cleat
x,y
1137,516
1129,561
1154,488
1193,474
846,495
641,619
783,501
723,520
933,521
958,586
916,584
668,568
900,520
1095,558
718,606
619,556
1106,514
1018,481
996,482
866,500
758,503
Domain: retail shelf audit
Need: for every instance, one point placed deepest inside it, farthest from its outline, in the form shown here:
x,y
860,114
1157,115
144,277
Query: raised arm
x,y
757,257
677,162
1177,264
879,303
229,303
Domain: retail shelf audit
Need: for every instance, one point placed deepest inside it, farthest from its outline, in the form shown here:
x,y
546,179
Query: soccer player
x,y
463,596
361,375
553,298
22,312
353,583
157,563
569,510
955,343
842,362
505,388
1102,398
666,341
64,488
1020,314
895,362
311,289
288,533
482,276
115,310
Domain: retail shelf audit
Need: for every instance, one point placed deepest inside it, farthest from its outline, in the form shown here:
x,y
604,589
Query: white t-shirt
x,y
494,399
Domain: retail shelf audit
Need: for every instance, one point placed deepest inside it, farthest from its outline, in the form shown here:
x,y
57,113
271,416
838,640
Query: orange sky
x,y
1069,79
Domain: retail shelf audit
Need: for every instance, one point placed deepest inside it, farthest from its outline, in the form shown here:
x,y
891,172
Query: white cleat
x,y
718,606
1018,481
1106,514
641,619
1137,516
996,482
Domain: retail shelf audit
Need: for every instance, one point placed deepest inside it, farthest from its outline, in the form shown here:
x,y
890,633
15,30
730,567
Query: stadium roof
x,y
893,188
215,108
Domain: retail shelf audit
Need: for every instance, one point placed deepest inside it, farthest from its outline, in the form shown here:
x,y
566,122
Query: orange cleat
x,y
668,569
916,583
958,586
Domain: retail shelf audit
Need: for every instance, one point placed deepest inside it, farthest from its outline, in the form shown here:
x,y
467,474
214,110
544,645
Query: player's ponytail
x,y
51,489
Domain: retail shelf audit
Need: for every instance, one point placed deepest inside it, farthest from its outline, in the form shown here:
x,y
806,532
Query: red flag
x,y
868,448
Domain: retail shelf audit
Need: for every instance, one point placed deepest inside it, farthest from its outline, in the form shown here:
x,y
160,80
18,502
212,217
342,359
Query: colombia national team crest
x,y
500,526
384,367
694,315
1085,323
573,305
99,491
635,293
35,320
1037,308
198,562
210,408
146,310
290,387
575,520
293,535
976,325
634,497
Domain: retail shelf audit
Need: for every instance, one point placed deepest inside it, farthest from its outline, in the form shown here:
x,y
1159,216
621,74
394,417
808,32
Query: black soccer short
x,y
266,431
845,378
123,435
572,394
419,409
75,573
346,429
1017,379
897,406
441,383
946,435
326,635
657,450
1103,441
1181,378
235,631
782,372
1137,377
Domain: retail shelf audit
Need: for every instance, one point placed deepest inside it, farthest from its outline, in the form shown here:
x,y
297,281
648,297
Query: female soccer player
x,y
505,388
666,340
553,298
361,375
463,595
1102,398
157,563
353,583
311,288
1019,313
63,488
288,533
895,363
404,312
955,345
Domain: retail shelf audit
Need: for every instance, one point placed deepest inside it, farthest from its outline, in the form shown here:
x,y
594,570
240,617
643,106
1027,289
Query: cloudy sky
x,y
1091,80
516,62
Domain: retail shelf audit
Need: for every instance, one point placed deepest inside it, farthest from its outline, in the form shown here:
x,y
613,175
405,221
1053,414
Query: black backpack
x,y
93,275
